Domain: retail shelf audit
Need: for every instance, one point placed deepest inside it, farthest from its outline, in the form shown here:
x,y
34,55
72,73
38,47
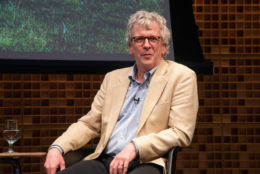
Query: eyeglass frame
x,y
143,39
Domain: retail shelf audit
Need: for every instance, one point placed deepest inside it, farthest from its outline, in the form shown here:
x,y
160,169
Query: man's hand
x,y
54,160
119,164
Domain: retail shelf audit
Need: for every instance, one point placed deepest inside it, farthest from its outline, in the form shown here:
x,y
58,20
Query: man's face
x,y
146,46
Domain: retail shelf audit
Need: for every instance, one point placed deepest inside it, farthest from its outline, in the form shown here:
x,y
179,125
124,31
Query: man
x,y
140,112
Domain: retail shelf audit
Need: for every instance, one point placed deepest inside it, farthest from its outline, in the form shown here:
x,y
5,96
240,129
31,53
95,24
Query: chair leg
x,y
171,163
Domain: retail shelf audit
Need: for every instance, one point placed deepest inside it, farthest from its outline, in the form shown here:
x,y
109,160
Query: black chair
x,y
78,155
172,158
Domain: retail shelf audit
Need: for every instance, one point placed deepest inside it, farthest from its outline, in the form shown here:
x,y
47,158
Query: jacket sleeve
x,y
87,127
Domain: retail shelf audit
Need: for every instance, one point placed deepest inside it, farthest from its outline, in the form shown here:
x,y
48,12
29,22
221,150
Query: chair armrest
x,y
172,157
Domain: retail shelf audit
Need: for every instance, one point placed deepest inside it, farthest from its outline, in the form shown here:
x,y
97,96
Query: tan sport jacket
x,y
168,117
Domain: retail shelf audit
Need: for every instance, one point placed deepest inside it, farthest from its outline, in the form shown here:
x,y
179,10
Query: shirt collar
x,y
147,75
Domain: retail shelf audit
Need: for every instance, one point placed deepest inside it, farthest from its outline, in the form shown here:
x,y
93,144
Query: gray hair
x,y
146,19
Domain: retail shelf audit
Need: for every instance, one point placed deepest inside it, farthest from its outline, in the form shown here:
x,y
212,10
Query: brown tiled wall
x,y
227,137
228,26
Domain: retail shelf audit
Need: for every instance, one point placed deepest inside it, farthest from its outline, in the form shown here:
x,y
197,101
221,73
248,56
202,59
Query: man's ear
x,y
164,48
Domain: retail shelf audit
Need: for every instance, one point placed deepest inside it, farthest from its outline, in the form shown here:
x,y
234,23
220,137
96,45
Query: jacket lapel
x,y
118,93
156,87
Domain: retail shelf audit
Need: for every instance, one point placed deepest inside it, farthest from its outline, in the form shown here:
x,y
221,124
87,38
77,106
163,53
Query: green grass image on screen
x,y
68,26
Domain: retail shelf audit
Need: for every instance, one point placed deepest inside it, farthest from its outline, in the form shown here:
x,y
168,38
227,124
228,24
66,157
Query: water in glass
x,y
11,133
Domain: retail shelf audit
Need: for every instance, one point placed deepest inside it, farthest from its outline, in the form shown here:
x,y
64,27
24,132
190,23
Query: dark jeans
x,y
101,166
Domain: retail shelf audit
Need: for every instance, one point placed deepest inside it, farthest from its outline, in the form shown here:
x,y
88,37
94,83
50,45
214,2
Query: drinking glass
x,y
11,133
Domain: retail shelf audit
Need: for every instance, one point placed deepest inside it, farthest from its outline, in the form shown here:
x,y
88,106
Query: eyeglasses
x,y
140,40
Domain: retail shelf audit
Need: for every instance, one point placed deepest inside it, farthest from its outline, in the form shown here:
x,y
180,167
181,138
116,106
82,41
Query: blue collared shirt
x,y
128,120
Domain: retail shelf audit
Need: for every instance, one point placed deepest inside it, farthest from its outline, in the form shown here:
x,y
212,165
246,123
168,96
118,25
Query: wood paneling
x,y
227,137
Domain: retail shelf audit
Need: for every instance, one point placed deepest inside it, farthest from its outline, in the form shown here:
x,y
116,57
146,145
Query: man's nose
x,y
147,43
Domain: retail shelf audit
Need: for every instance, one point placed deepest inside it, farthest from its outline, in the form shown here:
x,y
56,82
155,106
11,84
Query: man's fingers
x,y
125,167
118,166
62,165
53,161
53,171
113,167
50,169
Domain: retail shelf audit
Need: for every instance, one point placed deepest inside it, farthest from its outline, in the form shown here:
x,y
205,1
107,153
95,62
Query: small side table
x,y
13,158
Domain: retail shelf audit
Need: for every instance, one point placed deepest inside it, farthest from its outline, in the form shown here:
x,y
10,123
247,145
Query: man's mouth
x,y
147,55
